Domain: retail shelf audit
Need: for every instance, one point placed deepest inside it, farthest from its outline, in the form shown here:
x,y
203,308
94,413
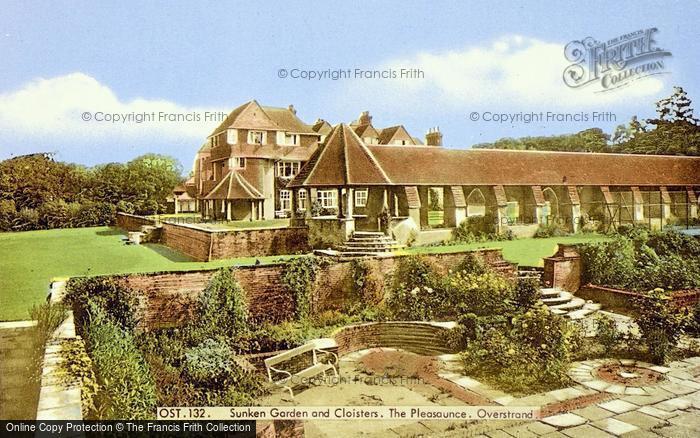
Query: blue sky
x,y
60,59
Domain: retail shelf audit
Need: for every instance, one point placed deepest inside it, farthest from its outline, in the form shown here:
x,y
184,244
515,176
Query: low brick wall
x,y
426,338
188,239
622,301
166,298
132,222
262,242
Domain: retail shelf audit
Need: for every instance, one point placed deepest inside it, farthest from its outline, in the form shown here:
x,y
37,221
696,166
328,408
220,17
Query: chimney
x,y
433,137
292,109
365,118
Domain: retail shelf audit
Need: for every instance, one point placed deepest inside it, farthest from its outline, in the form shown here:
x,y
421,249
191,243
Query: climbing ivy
x,y
299,276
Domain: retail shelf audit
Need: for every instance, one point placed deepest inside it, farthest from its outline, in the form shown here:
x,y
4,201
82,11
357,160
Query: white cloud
x,y
513,71
52,109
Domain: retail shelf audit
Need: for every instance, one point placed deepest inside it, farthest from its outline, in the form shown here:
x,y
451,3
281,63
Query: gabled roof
x,y
322,127
364,131
251,115
387,135
287,120
342,160
234,186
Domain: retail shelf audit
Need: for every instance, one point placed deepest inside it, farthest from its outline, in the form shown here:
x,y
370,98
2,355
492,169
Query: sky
x,y
66,67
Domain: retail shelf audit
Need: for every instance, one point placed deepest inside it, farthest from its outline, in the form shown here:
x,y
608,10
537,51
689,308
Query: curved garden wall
x,y
426,338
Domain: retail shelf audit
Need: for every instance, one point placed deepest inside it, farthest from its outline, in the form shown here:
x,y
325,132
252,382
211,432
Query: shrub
x,y
661,323
472,264
609,263
119,302
480,228
551,229
209,363
367,287
669,243
416,291
481,294
607,334
530,355
222,309
127,390
48,317
527,292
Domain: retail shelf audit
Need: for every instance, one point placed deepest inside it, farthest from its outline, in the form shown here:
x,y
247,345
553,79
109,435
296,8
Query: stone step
x,y
368,243
574,304
550,292
562,298
580,313
368,233
345,248
557,311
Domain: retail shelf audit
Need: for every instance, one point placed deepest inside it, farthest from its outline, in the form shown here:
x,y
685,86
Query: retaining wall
x,y
426,338
167,298
132,222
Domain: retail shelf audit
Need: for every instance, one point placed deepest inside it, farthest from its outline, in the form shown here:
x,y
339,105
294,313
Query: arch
x,y
551,202
476,203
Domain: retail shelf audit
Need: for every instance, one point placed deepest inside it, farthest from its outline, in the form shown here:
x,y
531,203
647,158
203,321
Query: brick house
x,y
241,171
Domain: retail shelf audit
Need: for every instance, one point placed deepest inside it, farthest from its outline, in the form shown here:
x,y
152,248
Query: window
x,y
361,197
287,169
291,139
328,198
301,204
256,137
237,163
285,200
513,211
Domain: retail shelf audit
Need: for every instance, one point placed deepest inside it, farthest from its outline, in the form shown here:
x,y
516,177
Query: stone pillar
x,y
177,205
692,203
638,205
341,202
349,203
501,218
665,203
563,269
228,205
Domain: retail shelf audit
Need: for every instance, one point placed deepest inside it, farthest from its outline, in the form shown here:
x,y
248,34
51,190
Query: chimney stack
x,y
365,118
433,137
292,109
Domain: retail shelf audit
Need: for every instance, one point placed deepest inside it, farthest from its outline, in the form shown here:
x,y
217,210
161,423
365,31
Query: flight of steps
x,y
147,233
561,302
368,244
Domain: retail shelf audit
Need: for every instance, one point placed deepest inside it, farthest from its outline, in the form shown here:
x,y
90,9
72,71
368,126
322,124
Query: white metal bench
x,y
317,367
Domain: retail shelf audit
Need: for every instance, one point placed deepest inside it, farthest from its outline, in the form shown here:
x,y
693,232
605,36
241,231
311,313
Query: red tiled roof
x,y
458,196
637,195
501,198
692,197
665,197
342,160
234,186
424,165
539,196
412,197
573,195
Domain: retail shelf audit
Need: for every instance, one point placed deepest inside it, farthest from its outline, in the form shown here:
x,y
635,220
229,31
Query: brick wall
x,y
622,301
187,239
166,298
563,269
131,222
263,242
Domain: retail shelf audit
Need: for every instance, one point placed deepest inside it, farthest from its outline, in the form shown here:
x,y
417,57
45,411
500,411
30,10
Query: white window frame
x,y
237,163
252,134
301,199
361,197
328,198
281,168
296,139
286,199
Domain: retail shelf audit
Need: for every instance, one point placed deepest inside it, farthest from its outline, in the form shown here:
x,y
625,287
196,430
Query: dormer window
x,y
256,137
291,139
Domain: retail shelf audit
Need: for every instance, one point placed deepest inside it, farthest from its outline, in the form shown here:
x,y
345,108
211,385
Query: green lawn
x,y
526,252
29,260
